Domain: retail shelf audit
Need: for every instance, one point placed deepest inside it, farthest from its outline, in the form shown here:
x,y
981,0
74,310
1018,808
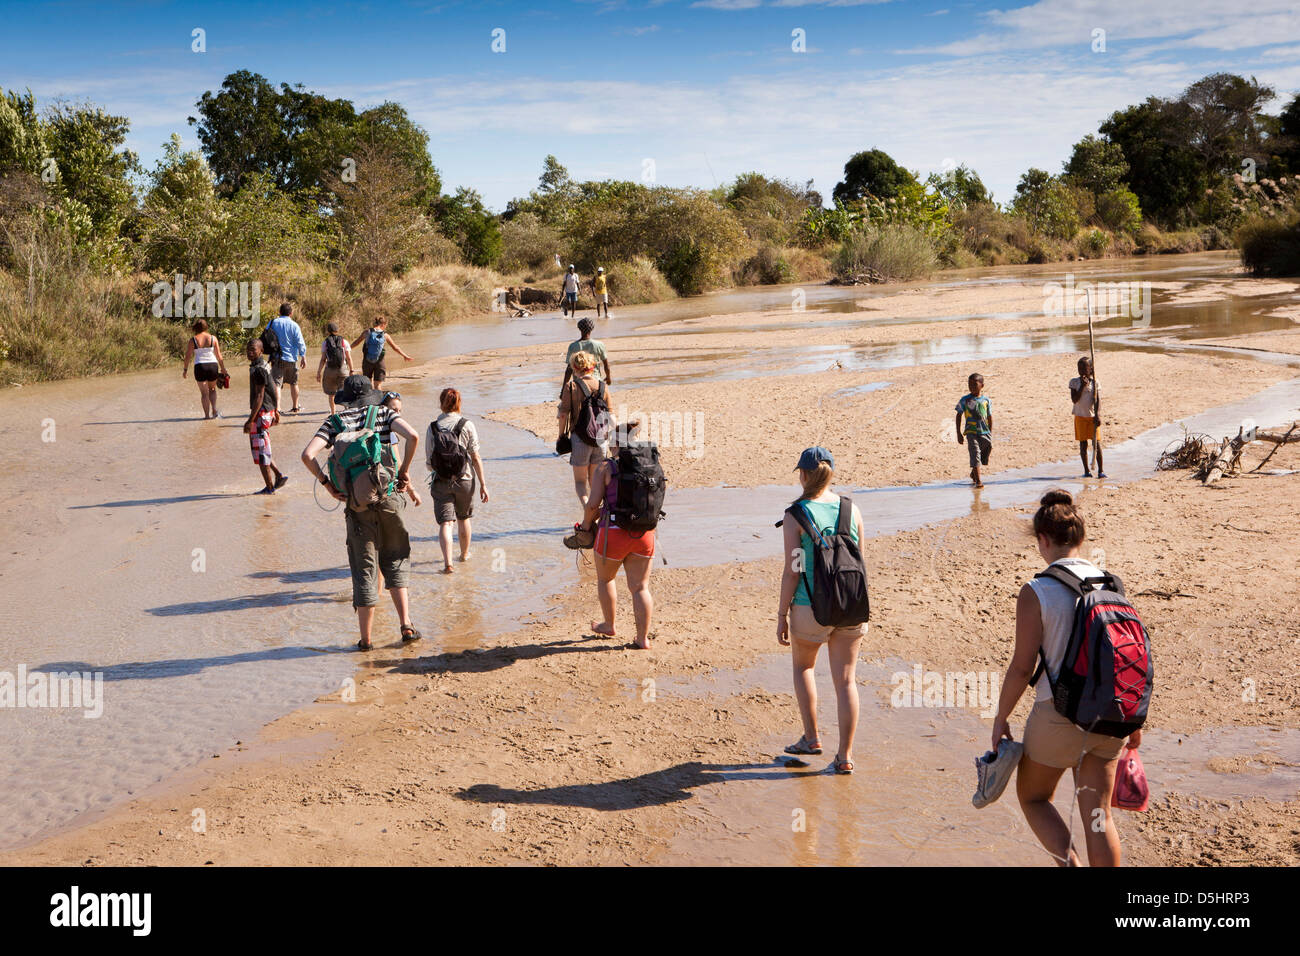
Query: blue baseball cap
x,y
814,456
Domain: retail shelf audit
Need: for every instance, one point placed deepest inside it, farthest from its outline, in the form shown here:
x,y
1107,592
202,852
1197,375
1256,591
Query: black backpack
x,y
837,588
593,423
270,343
639,487
334,351
1104,684
449,455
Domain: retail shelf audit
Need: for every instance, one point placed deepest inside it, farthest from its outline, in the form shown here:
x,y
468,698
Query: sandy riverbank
x,y
903,432
543,747
552,726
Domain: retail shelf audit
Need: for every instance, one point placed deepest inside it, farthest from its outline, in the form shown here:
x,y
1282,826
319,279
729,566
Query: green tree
x,y
1096,165
770,210
960,187
1285,144
1223,118
871,173
1046,204
1164,173
93,167
22,136
464,219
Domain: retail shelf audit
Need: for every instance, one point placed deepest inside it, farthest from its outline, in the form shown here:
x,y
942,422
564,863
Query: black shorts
x,y
206,371
368,367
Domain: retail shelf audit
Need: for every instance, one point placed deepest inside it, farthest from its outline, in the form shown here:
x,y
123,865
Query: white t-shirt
x,y
571,282
1056,603
1083,407
468,438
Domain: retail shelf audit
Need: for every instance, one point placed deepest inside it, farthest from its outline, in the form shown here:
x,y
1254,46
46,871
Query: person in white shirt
x,y
1087,414
571,286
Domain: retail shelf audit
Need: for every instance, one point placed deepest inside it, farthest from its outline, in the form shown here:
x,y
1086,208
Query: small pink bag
x,y
1131,792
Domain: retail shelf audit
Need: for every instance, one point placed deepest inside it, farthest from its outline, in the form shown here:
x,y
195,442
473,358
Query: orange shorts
x,y
616,544
1085,429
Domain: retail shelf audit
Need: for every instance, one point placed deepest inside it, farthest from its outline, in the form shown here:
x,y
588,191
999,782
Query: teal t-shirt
x,y
824,516
977,414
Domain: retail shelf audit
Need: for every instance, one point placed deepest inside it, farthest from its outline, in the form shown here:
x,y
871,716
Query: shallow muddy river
x,y
131,548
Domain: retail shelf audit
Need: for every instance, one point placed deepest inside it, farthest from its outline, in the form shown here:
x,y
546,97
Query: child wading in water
x,y
263,414
978,435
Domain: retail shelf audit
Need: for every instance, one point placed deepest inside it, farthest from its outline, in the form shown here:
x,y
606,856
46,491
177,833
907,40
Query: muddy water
x,y
131,550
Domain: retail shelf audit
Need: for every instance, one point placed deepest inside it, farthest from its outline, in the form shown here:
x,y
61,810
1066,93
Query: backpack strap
x,y
586,392
845,518
372,413
799,512
460,427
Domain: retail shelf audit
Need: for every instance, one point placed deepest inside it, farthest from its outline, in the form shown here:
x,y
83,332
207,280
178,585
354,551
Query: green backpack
x,y
361,464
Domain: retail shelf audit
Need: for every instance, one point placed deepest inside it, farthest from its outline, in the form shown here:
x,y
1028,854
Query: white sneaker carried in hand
x,y
993,771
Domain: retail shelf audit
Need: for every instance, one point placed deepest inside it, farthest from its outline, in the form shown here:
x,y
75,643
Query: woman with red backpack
x,y
1082,712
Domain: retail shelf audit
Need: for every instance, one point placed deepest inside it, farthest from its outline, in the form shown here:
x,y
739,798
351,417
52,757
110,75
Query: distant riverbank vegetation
x,y
344,212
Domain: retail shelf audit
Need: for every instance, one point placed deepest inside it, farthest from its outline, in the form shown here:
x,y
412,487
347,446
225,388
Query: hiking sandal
x,y
409,633
365,646
803,748
842,767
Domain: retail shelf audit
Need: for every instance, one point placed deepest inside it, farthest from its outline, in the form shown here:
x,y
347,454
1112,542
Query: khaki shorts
x,y
285,373
1053,741
378,546
331,379
453,498
583,454
804,626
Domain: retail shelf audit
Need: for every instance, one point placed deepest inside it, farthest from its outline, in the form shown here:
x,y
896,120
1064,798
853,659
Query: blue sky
x,y
704,90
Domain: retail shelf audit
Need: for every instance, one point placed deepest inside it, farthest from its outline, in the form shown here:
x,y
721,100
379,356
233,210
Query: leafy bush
x,y
767,266
528,243
1092,243
1270,246
1118,211
636,281
893,252
692,240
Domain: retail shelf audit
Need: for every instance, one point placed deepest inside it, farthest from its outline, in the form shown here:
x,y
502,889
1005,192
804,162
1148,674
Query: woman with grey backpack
x,y
454,466
584,422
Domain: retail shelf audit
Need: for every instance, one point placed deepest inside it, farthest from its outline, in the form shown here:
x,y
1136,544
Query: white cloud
x,y
1208,24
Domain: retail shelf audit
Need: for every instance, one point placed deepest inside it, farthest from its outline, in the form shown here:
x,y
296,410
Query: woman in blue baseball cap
x,y
818,507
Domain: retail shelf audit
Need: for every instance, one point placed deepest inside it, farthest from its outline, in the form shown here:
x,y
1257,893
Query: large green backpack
x,y
361,464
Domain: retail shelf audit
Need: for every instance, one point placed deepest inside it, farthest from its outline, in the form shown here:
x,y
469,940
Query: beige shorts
x,y
804,626
583,455
332,379
1053,741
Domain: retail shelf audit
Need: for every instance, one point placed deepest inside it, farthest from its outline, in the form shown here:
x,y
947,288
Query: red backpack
x,y
1104,685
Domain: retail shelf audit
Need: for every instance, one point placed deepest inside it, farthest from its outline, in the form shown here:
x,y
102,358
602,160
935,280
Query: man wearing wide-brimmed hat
x,y
377,540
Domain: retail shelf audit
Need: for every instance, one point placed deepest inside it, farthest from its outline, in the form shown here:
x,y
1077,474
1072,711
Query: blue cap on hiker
x,y
812,457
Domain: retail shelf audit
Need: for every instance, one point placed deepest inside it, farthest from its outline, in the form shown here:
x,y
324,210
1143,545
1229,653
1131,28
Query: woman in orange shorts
x,y
615,548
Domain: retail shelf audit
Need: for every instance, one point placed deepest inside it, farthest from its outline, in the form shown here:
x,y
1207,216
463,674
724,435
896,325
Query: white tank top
x,y
205,355
1056,604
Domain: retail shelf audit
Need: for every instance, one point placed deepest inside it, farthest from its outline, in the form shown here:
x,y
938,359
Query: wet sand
x,y
903,432
542,744
550,736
